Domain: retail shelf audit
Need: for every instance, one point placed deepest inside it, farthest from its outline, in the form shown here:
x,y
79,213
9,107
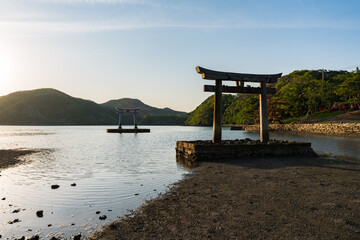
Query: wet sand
x,y
9,158
264,198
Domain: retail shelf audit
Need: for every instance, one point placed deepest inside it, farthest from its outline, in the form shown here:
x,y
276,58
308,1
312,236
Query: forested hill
x,y
52,107
147,115
301,95
136,103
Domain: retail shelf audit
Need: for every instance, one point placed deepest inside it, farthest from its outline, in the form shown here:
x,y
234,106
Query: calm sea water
x,y
114,173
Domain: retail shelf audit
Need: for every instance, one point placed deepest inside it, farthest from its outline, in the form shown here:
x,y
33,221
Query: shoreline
x,y
291,198
321,129
11,157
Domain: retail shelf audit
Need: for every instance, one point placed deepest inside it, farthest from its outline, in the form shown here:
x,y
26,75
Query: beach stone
x,y
36,237
49,225
103,217
22,238
97,212
16,210
40,213
55,186
3,199
15,221
54,238
77,237
73,184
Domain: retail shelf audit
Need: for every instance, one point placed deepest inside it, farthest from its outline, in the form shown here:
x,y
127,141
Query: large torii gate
x,y
239,78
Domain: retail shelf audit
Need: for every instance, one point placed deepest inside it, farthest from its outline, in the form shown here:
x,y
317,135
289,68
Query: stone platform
x,y
194,151
128,130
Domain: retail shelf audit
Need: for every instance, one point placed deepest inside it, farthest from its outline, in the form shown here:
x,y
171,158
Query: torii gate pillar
x,y
264,122
217,112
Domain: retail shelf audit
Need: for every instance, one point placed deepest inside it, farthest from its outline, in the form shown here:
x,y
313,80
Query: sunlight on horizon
x,y
6,69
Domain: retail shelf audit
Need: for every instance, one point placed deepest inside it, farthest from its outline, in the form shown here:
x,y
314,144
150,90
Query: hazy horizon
x,y
110,49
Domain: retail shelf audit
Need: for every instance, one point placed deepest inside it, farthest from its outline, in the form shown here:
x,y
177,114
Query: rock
x,y
73,184
0,235
3,199
77,237
40,213
103,217
36,237
15,221
49,225
97,212
54,238
16,210
72,224
55,186
22,238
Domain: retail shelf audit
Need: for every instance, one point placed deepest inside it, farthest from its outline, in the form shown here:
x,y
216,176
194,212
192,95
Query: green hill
x,y
203,114
136,103
147,114
302,96
51,107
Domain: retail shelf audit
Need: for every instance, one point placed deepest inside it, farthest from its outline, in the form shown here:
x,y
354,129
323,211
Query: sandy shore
x,y
284,198
11,157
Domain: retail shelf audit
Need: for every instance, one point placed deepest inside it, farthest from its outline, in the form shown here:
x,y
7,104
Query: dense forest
x,y
299,95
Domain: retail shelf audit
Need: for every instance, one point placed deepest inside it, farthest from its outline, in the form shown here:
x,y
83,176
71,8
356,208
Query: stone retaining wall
x,y
237,149
329,128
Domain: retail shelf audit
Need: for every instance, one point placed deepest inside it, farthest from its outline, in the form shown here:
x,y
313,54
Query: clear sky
x,y
148,49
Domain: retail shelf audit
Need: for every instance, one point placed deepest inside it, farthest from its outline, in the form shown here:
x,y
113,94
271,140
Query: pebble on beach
x,y
16,210
97,212
36,237
103,217
40,213
3,199
55,186
77,237
15,221
73,184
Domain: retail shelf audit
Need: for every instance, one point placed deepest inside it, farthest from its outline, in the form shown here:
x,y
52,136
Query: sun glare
x,y
6,69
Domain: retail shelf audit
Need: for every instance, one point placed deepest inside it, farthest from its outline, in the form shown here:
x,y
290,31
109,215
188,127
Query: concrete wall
x,y
329,128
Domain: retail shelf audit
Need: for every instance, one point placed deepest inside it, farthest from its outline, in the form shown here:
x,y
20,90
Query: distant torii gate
x,y
239,78
127,110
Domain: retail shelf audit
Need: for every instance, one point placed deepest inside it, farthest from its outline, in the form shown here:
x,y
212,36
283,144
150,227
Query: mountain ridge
x,y
48,106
